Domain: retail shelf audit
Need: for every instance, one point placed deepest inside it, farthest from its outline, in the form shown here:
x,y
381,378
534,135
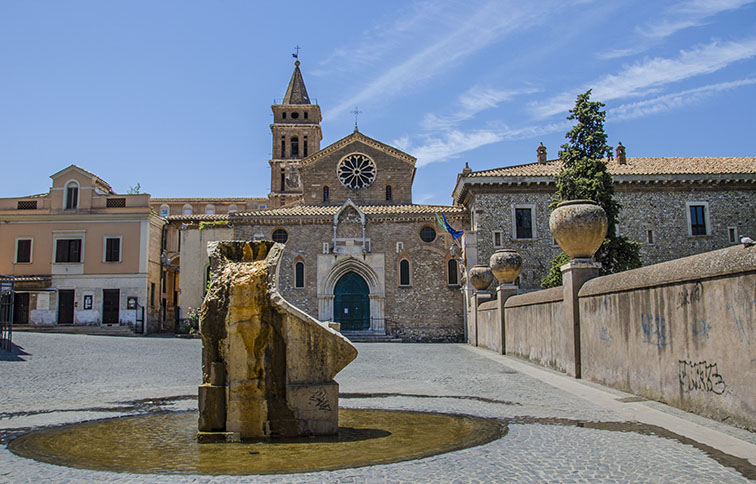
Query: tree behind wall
x,y
584,175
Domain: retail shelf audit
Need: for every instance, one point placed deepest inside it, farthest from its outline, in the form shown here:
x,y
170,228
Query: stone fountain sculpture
x,y
267,367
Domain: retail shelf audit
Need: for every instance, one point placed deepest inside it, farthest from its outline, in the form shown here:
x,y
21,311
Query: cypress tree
x,y
584,175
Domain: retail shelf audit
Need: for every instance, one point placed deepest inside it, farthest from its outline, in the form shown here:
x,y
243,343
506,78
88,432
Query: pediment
x,y
355,139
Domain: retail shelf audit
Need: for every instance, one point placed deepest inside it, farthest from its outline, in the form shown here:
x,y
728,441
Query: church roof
x,y
357,136
330,210
296,93
637,166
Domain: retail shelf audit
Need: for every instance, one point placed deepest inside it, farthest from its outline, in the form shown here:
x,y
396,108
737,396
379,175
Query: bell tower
x,y
296,135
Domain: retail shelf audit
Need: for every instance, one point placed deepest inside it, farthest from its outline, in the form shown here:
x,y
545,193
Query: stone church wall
x,y
391,171
426,310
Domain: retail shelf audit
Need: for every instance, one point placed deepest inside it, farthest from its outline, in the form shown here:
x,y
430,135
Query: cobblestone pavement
x,y
52,379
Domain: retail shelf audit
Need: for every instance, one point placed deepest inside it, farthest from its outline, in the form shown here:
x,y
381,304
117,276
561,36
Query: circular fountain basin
x,y
166,444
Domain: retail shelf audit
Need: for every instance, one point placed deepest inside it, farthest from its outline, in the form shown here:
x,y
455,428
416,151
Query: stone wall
x,y
656,207
682,332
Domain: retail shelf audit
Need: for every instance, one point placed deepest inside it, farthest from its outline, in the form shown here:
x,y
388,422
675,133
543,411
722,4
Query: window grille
x,y
115,203
27,204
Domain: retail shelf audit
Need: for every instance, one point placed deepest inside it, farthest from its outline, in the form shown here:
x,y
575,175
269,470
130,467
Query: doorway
x,y
110,300
351,302
66,306
21,308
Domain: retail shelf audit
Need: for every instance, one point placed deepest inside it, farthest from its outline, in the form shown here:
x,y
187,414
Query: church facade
x,y
357,250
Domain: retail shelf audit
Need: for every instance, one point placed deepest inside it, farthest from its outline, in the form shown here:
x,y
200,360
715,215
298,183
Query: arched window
x,y
283,146
294,146
427,234
326,193
388,193
404,272
233,208
453,272
210,209
280,236
72,195
187,210
165,210
299,275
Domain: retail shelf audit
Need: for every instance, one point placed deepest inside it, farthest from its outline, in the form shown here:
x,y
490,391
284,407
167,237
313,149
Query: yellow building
x,y
82,254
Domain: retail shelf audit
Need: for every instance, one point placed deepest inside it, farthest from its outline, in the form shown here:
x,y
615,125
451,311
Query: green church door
x,y
351,304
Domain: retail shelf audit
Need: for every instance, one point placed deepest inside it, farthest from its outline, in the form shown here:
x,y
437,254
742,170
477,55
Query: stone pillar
x,y
377,318
574,274
504,292
479,297
325,307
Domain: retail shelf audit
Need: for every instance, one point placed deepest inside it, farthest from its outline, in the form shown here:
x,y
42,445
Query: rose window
x,y
356,171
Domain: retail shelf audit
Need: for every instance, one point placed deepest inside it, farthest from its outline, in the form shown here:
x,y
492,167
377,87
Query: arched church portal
x,y
351,302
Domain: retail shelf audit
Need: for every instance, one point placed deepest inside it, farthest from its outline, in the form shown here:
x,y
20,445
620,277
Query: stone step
x,y
116,330
362,337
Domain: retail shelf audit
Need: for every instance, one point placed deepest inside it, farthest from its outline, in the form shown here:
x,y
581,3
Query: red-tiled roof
x,y
637,166
330,210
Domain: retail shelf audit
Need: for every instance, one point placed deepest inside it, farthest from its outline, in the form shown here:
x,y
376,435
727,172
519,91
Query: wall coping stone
x,y
709,265
554,294
489,305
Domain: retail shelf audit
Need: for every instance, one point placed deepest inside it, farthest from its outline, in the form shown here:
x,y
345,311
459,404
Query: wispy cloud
x,y
472,102
642,77
680,16
452,143
669,102
465,36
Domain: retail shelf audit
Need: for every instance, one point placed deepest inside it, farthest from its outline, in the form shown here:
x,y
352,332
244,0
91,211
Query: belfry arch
x,y
327,287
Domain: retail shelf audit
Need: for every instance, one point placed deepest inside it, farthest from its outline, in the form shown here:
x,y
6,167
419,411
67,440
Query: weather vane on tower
x,y
296,54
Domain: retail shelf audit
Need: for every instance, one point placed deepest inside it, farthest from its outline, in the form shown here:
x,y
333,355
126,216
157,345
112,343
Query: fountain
x,y
267,403
267,367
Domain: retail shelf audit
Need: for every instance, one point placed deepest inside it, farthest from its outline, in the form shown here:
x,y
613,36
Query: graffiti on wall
x,y
742,315
690,295
700,328
655,330
604,335
700,376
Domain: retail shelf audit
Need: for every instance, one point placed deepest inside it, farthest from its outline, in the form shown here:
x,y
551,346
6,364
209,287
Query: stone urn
x,y
579,227
480,277
506,265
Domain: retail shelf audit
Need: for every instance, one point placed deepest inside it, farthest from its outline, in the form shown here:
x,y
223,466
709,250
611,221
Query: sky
x,y
175,95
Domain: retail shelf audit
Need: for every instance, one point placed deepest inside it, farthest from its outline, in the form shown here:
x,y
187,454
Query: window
x,y
497,239
210,209
187,210
399,247
283,146
23,251
283,180
299,275
26,205
72,195
294,144
650,237
326,193
68,250
112,249
233,208
698,218
305,114
304,143
453,272
280,236
732,233
294,115
152,294
427,234
165,210
283,115
404,272
524,222
388,193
